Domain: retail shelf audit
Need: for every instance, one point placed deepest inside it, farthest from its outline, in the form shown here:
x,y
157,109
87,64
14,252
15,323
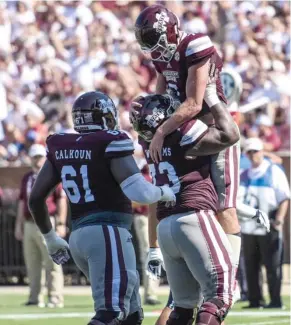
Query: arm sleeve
x,y
138,189
198,49
119,146
280,184
245,211
192,132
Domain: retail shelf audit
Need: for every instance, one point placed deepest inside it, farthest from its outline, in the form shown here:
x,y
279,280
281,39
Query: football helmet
x,y
155,109
157,32
94,111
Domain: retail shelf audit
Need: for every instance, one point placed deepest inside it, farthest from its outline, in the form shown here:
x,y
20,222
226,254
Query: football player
x,y
188,68
195,249
100,177
177,172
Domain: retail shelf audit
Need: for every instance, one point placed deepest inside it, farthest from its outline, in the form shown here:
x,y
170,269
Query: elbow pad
x,y
138,189
245,211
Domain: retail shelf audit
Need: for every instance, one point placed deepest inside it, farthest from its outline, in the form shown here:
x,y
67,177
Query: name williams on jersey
x,y
73,154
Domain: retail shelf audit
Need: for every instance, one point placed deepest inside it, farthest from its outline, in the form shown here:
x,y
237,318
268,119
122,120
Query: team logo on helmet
x,y
155,119
162,19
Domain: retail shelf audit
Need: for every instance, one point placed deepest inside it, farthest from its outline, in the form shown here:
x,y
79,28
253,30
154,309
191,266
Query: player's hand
x,y
57,247
154,263
263,219
168,196
156,146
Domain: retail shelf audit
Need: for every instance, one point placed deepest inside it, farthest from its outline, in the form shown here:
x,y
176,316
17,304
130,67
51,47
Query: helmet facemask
x,y
162,51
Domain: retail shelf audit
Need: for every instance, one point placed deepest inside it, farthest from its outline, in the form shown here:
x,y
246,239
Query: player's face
x,y
37,162
256,157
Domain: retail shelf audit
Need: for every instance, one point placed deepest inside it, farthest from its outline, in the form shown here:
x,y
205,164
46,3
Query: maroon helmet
x,y
94,110
154,111
157,32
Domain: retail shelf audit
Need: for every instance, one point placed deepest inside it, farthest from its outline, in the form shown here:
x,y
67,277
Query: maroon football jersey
x,y
192,49
189,179
82,163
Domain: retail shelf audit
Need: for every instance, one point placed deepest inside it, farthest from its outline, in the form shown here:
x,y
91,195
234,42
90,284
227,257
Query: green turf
x,y
11,304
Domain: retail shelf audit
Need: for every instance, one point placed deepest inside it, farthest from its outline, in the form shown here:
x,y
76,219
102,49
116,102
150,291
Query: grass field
x,y
78,311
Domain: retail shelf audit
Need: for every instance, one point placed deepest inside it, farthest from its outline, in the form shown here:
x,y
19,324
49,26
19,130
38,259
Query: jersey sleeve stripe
x,y
198,45
196,131
123,145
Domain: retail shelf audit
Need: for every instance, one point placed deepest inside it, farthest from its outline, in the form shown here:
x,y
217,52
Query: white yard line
x,y
282,321
150,314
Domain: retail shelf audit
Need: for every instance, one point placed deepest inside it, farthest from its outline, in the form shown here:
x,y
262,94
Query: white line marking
x,y
283,321
148,314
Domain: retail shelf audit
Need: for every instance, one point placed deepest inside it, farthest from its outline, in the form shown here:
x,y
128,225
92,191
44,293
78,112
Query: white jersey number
x,y
166,168
71,187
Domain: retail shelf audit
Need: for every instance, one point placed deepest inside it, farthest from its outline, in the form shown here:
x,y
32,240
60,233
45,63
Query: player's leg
x,y
135,316
162,320
184,287
225,175
207,252
112,272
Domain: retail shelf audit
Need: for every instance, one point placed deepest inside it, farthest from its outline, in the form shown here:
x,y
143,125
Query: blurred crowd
x,y
51,51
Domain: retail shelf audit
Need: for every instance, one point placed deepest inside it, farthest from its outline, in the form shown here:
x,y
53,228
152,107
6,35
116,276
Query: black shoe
x,y
35,304
152,301
277,306
250,306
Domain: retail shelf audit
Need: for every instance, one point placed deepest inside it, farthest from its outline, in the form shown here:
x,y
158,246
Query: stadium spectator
x,y
263,186
52,51
34,248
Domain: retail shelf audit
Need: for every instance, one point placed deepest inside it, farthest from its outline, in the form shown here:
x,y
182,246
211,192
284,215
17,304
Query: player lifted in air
x,y
188,68
100,177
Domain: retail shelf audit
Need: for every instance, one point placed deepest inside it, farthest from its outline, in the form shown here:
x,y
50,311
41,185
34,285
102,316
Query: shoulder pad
x,y
192,131
198,43
119,144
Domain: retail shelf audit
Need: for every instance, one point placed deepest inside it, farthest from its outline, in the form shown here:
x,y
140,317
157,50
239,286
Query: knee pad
x,y
134,318
211,312
105,317
181,316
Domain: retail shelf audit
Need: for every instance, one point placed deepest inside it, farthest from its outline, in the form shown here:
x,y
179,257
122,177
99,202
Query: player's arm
x,y
218,137
46,181
134,185
153,223
195,89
